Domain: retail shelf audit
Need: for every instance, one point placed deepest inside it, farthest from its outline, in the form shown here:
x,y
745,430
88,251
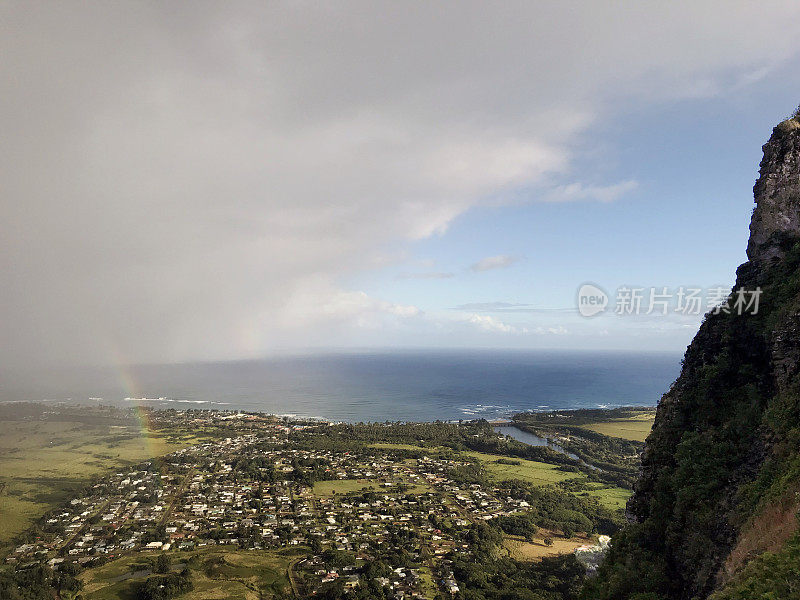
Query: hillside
x,y
714,512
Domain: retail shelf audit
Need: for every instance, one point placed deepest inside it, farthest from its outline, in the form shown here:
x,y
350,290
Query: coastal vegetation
x,y
608,440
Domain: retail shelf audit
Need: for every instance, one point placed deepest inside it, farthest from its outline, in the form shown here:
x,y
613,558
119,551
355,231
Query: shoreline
x,y
132,404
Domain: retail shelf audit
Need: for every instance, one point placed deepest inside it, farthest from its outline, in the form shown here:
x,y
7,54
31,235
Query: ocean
x,y
387,386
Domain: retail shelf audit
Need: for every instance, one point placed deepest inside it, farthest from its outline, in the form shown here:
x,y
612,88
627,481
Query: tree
x,y
162,564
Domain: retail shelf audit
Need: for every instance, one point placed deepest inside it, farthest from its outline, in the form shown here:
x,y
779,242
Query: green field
x,y
610,496
537,473
42,463
216,573
429,588
342,486
534,472
389,446
635,428
628,423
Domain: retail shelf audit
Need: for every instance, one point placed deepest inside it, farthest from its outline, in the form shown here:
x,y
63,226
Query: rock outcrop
x,y
776,217
725,443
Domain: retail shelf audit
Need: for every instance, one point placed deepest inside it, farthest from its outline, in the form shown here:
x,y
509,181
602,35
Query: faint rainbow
x,y
133,391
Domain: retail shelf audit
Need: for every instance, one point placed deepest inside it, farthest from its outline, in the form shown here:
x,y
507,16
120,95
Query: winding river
x,y
534,440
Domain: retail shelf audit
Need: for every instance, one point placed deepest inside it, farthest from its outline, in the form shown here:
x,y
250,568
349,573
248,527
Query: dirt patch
x,y
524,550
767,532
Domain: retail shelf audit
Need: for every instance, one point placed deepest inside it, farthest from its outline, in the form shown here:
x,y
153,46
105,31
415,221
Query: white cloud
x,y
557,330
494,325
501,261
600,193
487,323
355,304
490,306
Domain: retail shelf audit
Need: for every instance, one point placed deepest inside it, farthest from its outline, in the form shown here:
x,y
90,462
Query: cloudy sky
x,y
220,180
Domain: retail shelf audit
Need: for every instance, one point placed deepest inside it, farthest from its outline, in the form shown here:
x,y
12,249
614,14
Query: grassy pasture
x,y
609,496
534,472
635,428
429,588
537,473
390,446
324,489
520,549
342,486
216,573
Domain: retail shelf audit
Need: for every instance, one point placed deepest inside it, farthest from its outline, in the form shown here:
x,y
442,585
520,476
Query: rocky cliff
x,y
776,218
720,478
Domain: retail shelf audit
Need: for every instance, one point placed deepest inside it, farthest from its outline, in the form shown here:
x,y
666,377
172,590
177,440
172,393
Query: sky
x,y
226,180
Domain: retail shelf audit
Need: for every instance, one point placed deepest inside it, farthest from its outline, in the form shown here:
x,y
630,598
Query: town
x,y
386,519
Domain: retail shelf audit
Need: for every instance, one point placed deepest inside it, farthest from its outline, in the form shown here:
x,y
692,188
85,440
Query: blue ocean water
x,y
407,386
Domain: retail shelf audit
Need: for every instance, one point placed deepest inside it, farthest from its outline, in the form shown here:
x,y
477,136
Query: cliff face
x,y
723,460
776,217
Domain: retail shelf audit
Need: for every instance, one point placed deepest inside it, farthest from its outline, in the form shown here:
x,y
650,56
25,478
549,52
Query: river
x,y
534,440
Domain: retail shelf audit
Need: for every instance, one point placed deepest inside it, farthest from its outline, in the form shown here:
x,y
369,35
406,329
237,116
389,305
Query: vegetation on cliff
x,y
724,446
